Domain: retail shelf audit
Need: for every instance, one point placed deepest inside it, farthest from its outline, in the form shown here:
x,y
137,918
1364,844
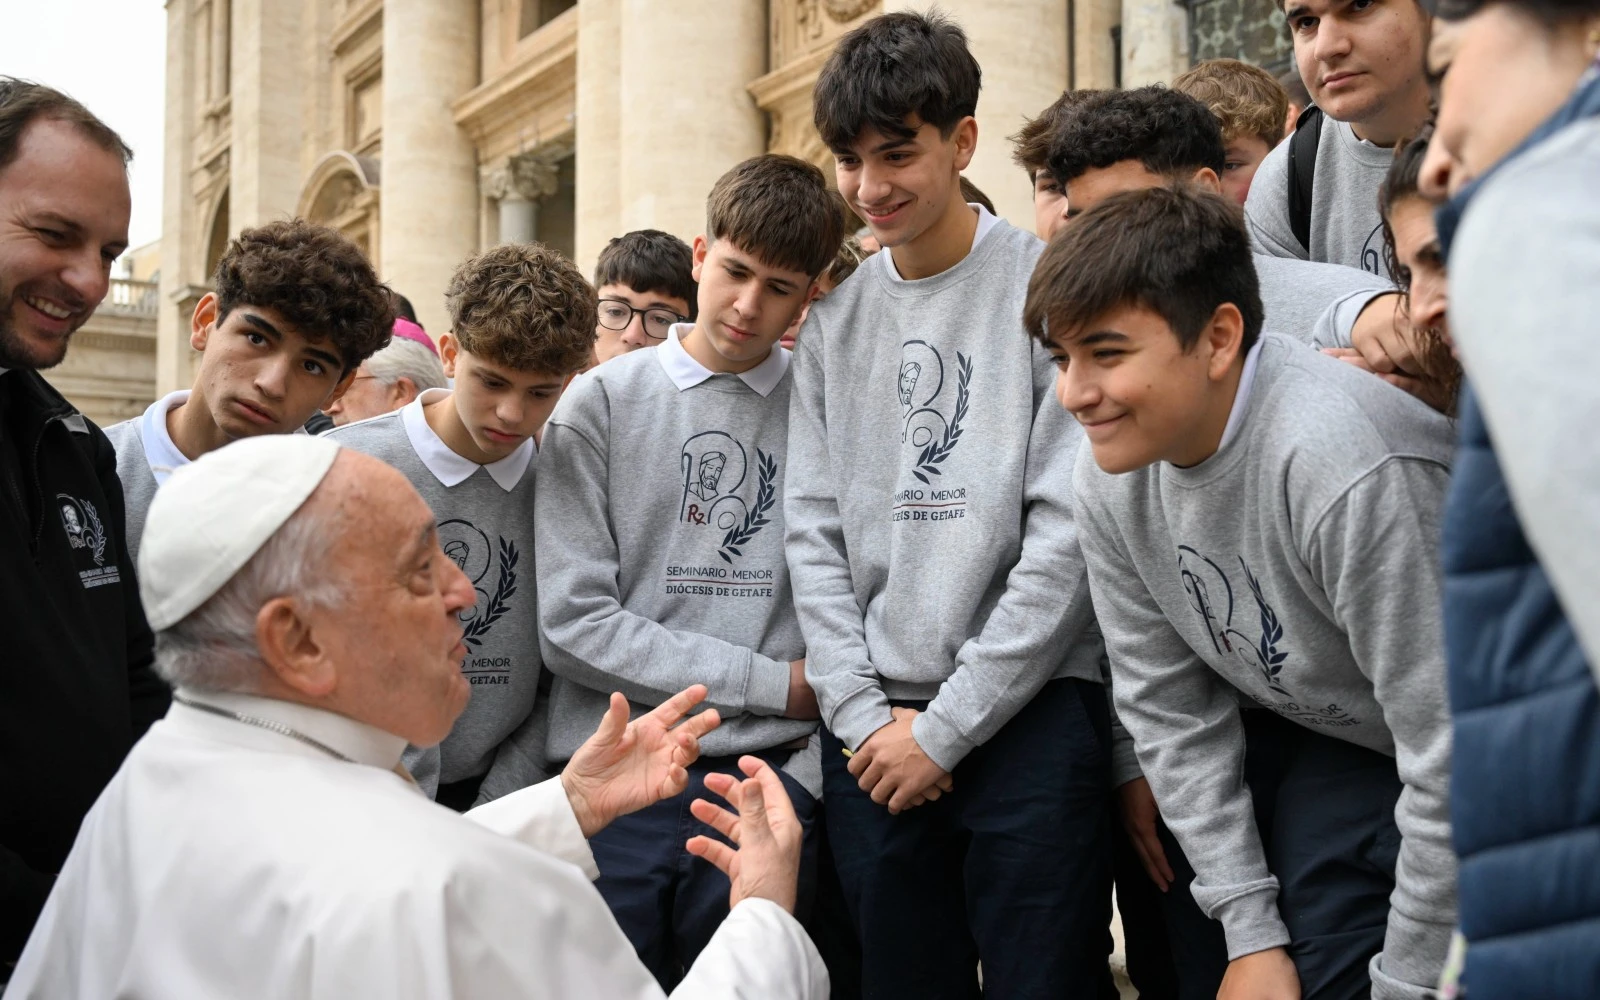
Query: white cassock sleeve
x,y
541,817
759,951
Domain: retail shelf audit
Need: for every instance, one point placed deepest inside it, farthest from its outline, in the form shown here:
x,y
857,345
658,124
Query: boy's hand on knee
x,y
1261,975
1139,818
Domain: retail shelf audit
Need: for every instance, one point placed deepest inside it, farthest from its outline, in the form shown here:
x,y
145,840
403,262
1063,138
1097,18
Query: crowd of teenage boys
x,y
1246,559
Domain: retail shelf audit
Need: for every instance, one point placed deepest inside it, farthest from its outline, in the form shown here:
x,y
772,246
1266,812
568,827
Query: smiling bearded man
x,y
262,840
80,689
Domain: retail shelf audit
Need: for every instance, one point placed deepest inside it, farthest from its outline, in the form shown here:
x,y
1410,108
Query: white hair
x,y
214,647
409,359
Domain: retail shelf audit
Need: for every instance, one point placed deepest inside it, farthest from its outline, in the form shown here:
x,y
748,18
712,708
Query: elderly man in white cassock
x,y
263,840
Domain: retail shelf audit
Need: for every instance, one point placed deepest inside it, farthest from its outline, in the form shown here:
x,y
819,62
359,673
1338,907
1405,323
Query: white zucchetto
x,y
213,514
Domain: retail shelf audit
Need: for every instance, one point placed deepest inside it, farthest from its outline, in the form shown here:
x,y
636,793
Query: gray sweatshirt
x,y
146,456
1314,302
929,503
484,516
1297,567
1345,225
660,528
1524,293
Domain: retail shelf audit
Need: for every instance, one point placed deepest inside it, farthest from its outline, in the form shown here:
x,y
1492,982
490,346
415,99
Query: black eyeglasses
x,y
615,314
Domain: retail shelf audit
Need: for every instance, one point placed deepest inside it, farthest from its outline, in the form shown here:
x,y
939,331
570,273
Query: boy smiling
x,y
949,634
1261,521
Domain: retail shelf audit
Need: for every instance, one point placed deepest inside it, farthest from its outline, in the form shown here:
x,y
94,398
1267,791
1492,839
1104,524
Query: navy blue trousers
x,y
1325,809
1013,867
668,901
1174,951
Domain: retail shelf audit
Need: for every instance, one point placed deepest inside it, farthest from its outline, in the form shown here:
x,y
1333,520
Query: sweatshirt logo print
x,y
469,548
85,531
921,388
1211,595
714,466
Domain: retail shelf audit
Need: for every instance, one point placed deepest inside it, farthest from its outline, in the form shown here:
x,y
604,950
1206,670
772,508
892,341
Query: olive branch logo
x,y
1268,656
499,603
936,452
96,534
756,517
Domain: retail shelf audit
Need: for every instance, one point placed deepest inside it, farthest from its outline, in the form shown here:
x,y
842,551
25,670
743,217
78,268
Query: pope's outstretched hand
x,y
765,861
626,766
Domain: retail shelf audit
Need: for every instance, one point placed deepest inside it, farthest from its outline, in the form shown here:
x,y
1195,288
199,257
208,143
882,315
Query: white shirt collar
x,y
448,467
162,455
359,741
686,373
987,220
1241,399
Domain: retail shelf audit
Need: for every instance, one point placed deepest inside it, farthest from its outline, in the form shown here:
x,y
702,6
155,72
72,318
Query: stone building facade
x,y
427,129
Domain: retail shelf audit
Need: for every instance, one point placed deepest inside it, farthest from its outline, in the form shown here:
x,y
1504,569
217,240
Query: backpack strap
x,y
1303,171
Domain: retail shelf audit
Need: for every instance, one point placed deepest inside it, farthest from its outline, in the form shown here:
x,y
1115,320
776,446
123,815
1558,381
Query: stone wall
x,y
109,372
1252,30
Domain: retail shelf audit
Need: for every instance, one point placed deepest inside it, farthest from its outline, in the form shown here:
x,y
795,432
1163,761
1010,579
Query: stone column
x,y
264,174
221,47
1155,41
179,231
515,185
1094,49
682,128
1021,46
599,131
430,170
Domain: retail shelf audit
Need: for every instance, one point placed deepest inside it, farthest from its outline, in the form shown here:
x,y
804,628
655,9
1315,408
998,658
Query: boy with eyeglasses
x,y
645,283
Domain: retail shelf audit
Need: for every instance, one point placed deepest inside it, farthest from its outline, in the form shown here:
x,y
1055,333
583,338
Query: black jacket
x,y
76,684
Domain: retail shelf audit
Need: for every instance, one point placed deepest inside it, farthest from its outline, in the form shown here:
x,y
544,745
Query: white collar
x,y
159,452
448,467
686,373
987,220
362,743
1241,399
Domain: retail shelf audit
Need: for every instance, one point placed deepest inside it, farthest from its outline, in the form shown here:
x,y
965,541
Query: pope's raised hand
x,y
626,766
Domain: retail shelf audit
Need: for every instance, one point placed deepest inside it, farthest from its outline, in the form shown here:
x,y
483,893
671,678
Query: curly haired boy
x,y
521,326
296,309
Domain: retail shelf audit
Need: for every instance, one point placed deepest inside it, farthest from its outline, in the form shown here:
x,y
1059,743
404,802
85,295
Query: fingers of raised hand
x,y
670,711
701,724
719,819
714,851
675,781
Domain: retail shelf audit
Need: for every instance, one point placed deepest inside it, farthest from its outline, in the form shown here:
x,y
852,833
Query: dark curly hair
x,y
1170,133
1031,144
315,279
890,68
524,306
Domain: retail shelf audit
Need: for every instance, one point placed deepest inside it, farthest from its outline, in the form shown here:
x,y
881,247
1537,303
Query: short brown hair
x,y
778,208
524,306
1031,144
313,277
1246,99
1178,251
22,102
